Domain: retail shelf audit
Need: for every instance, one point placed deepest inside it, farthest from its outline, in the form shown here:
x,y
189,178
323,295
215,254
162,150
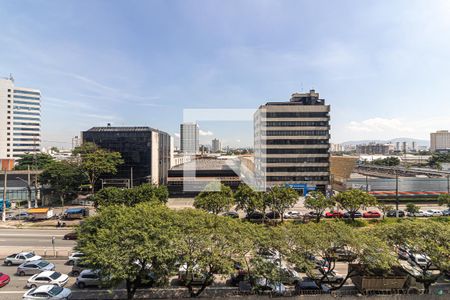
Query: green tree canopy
x,y
216,198
424,237
38,161
388,161
281,198
248,199
444,199
132,244
318,202
412,208
130,197
63,177
209,245
354,200
95,162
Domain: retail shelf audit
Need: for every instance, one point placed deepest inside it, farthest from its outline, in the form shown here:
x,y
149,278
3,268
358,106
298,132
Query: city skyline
x,y
384,78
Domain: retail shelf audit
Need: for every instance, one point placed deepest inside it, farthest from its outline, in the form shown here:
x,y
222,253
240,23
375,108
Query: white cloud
x,y
379,125
384,128
205,133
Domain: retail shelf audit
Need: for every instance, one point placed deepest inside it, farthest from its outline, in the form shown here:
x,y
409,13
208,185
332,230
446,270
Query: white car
x,y
435,213
20,258
420,260
47,277
48,292
74,257
292,215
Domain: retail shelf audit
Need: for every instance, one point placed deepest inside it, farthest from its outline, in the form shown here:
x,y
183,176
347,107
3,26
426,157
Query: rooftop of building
x,y
309,98
123,129
206,164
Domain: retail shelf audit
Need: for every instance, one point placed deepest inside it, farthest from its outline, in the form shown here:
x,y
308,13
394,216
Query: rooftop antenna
x,y
301,87
11,77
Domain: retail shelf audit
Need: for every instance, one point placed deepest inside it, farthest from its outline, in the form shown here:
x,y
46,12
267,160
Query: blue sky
x,y
384,66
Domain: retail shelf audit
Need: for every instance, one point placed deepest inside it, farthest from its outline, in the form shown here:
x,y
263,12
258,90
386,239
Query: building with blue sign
x,y
291,141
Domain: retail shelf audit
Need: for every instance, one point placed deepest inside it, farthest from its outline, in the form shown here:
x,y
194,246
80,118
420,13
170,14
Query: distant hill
x,y
392,141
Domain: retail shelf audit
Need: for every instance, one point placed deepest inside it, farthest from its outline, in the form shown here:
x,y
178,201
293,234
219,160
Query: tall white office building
x,y
216,146
189,138
440,141
20,120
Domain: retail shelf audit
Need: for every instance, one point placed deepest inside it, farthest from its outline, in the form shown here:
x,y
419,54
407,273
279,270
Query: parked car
x,y
403,252
419,213
270,255
264,284
343,254
273,215
47,277
289,276
255,215
307,285
73,257
70,236
77,268
20,216
419,259
312,214
292,215
332,276
435,212
393,213
371,214
446,212
4,279
194,276
48,292
334,214
34,267
88,278
20,258
231,214
356,215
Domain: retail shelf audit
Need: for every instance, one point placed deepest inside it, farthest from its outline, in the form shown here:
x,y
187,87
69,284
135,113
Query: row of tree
x,y
148,240
218,198
87,164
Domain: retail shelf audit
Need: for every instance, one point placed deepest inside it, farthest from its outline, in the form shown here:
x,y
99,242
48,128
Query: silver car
x,y
47,277
88,278
34,267
20,258
48,292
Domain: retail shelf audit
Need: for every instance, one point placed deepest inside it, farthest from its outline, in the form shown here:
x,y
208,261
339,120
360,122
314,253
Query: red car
x,y
4,279
371,214
334,214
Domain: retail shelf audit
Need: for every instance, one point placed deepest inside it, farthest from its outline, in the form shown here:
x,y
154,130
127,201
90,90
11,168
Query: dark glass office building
x,y
144,150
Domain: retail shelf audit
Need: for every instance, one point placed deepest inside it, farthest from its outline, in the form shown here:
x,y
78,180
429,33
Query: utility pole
x,y
448,184
5,178
367,183
28,186
131,180
396,194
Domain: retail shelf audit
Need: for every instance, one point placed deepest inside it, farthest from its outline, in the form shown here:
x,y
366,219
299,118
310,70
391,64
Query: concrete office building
x,y
440,141
216,146
145,151
20,120
291,141
189,138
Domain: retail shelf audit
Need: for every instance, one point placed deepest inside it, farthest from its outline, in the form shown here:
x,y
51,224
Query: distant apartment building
x,y
20,120
375,149
146,151
189,138
440,141
216,146
291,142
336,148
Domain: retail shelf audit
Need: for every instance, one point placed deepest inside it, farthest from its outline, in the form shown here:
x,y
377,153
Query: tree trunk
x,y
318,218
61,197
131,289
197,293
